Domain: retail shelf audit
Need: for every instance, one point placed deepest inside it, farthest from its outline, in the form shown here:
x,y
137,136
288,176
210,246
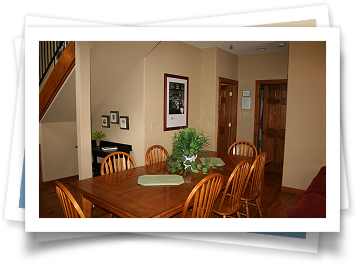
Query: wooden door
x,y
227,113
272,122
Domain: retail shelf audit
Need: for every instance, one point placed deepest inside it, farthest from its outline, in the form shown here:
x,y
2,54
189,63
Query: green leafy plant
x,y
188,143
97,135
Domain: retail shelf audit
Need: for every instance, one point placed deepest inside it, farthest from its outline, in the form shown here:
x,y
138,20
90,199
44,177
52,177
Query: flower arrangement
x,y
187,143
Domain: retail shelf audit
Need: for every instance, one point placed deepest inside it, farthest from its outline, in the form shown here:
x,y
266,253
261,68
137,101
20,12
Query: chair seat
x,y
225,210
247,199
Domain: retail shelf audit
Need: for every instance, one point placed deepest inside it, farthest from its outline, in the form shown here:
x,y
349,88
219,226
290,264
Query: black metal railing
x,y
50,52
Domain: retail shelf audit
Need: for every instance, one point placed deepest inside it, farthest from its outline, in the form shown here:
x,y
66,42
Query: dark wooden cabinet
x,y
98,152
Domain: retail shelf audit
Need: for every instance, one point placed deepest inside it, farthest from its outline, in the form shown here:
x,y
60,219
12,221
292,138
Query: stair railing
x,y
50,52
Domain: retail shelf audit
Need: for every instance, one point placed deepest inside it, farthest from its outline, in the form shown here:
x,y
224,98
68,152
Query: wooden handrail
x,y
57,77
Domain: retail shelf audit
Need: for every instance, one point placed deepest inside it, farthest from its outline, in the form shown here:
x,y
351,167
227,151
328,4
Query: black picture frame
x,y
105,121
175,102
124,122
114,117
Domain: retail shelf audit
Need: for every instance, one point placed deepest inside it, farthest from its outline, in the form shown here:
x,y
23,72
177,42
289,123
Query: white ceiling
x,y
242,47
112,62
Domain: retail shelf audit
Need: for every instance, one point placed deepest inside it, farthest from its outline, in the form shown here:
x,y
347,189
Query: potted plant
x,y
97,136
186,145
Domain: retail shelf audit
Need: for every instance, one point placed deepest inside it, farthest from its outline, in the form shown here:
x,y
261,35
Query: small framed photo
x,y
114,117
105,121
246,93
124,122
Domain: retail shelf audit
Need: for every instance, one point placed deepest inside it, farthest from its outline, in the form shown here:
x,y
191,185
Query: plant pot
x,y
97,141
191,159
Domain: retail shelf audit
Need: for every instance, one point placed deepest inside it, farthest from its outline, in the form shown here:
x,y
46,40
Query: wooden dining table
x,y
120,193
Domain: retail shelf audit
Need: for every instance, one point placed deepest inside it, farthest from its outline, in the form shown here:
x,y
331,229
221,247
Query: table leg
x,y
85,204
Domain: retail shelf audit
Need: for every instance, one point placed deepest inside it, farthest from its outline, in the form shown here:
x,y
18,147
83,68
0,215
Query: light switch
x,y
152,126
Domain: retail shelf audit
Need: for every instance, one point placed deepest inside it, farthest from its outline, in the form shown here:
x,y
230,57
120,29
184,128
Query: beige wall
x,y
305,138
209,94
59,154
173,58
128,99
215,63
203,67
254,67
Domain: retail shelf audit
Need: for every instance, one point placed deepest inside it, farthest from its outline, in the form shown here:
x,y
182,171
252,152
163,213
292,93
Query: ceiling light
x,y
261,49
281,45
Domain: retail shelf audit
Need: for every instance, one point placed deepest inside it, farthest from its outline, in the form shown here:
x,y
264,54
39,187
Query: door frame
x,y
229,82
258,83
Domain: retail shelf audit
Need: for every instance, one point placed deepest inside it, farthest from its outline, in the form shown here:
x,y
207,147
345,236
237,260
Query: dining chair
x,y
70,207
155,154
202,197
254,182
229,202
243,148
116,162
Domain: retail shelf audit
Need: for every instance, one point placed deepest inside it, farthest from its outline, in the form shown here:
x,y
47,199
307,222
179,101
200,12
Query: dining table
x,y
121,194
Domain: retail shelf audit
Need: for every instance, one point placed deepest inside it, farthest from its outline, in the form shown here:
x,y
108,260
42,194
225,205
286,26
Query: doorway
x,y
227,113
270,121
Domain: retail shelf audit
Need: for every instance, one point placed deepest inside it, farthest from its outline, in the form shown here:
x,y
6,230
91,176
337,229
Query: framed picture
x,y
114,117
175,102
246,103
246,93
124,122
105,121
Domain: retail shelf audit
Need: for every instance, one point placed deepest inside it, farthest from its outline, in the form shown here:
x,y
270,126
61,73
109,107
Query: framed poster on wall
x,y
175,102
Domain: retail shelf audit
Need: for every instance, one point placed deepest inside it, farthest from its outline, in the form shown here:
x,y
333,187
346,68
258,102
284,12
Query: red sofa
x,y
313,202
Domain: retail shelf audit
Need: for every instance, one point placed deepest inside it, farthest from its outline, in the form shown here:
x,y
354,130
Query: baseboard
x,y
292,190
52,182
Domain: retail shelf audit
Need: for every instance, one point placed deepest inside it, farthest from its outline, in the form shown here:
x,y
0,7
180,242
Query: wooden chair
x,y
254,180
116,162
229,202
243,148
155,154
70,207
203,197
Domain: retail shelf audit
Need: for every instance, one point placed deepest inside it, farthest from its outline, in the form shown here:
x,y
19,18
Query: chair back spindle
x,y
203,197
70,207
155,154
253,181
116,162
243,148
230,202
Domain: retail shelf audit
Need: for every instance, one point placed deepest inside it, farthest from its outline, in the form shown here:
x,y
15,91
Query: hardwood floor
x,y
50,206
275,203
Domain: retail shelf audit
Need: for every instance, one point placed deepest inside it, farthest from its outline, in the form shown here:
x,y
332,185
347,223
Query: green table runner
x,y
156,180
213,160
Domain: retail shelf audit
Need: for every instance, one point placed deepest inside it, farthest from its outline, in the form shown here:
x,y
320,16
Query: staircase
x,y
64,64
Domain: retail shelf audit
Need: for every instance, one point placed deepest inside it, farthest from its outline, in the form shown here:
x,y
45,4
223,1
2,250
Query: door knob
x,y
264,132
